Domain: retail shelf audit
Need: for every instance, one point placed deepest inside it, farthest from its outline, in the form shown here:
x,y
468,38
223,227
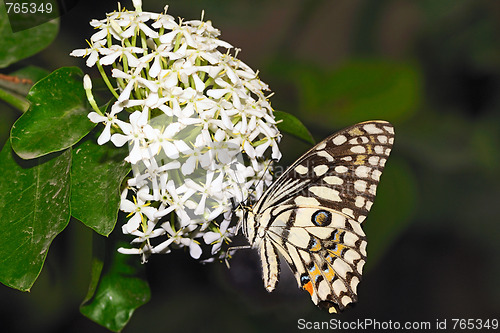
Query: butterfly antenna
x,y
243,205
239,186
263,174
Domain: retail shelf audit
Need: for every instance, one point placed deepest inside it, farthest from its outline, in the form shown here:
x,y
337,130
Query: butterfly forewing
x,y
341,172
312,214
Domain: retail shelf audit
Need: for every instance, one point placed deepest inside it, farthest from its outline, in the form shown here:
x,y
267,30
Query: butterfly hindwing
x,y
326,251
312,214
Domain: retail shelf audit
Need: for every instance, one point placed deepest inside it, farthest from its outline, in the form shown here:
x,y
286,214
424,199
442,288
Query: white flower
x,y
165,21
163,139
176,237
136,23
210,189
134,134
144,251
200,130
144,238
92,52
195,156
178,29
161,53
109,119
224,233
174,202
133,79
106,27
87,82
236,93
115,51
137,4
137,209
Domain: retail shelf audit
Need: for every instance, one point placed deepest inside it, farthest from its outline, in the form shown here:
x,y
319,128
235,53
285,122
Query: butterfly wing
x,y
312,213
325,250
341,172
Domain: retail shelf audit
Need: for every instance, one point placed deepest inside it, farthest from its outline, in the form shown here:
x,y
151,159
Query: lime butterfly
x,y
312,214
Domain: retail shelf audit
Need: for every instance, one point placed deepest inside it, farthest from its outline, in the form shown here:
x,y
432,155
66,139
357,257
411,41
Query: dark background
x,y
430,67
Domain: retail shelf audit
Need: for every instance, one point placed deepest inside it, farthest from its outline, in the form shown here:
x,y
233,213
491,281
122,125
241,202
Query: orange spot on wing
x,y
309,287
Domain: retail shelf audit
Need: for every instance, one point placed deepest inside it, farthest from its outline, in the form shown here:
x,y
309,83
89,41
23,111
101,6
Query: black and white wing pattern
x,y
312,214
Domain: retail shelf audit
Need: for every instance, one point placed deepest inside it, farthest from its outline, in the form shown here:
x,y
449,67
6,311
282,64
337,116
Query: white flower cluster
x,y
199,127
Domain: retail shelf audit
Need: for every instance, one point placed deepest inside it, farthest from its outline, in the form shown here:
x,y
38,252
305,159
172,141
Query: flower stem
x,y
19,103
106,80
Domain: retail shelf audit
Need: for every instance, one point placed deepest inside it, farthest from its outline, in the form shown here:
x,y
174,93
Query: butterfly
x,y
312,214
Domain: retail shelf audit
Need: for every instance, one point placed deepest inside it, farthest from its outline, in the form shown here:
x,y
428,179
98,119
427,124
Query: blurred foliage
x,y
354,92
432,68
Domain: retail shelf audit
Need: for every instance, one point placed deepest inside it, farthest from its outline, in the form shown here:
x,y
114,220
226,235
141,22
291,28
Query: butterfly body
x,y
312,214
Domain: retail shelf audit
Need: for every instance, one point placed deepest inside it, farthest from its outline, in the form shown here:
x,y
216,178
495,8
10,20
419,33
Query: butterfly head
x,y
249,223
243,211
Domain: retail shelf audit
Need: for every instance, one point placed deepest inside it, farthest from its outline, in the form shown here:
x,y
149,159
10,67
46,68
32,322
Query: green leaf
x,y
57,118
34,209
96,175
121,288
290,124
98,257
22,44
